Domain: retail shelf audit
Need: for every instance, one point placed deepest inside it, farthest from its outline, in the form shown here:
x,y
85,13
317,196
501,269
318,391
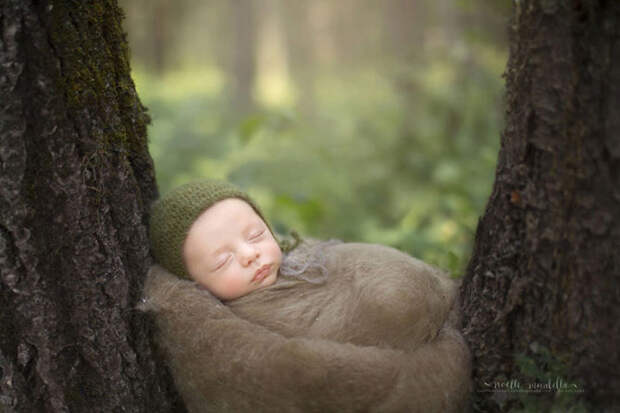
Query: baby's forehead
x,y
224,221
227,215
232,207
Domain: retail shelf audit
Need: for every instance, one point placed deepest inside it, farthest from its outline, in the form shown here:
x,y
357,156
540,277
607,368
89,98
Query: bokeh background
x,y
352,119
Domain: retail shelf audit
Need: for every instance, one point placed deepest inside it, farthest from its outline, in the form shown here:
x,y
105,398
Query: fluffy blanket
x,y
377,336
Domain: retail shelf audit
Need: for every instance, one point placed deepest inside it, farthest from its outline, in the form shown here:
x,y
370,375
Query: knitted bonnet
x,y
173,215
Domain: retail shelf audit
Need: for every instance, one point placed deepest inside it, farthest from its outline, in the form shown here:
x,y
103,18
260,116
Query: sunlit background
x,y
351,119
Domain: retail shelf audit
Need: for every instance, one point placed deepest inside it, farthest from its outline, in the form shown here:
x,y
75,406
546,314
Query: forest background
x,y
358,120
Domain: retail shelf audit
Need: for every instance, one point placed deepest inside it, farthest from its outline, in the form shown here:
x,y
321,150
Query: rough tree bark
x,y
76,181
544,279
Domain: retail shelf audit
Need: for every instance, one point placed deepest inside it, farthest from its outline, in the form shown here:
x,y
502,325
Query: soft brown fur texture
x,y
378,336
374,296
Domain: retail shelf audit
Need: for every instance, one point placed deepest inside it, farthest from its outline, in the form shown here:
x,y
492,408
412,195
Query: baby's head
x,y
213,233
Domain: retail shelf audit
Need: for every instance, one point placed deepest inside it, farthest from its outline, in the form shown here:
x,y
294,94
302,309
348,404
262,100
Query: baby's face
x,y
230,250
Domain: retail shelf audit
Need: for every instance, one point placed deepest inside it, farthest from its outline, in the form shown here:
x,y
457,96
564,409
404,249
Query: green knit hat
x,y
173,215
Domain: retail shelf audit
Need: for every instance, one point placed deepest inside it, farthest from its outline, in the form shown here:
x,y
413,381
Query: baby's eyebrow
x,y
251,226
258,224
216,251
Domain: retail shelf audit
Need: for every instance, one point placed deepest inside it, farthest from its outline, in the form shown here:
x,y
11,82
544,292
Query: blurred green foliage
x,y
403,157
357,120
551,389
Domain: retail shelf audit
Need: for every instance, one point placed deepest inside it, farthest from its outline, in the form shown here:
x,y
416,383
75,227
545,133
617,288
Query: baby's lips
x,y
262,272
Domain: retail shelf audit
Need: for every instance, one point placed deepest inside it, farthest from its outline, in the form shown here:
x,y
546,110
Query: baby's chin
x,y
269,280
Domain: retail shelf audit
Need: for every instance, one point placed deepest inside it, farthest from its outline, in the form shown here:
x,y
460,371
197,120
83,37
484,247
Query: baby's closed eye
x,y
256,235
221,261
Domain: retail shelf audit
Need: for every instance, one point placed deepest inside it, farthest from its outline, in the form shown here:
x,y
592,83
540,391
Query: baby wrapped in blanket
x,y
328,326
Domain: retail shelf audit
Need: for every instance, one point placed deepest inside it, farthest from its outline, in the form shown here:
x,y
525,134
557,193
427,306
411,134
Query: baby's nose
x,y
250,255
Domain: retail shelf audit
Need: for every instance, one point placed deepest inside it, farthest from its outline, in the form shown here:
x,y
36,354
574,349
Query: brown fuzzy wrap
x,y
377,336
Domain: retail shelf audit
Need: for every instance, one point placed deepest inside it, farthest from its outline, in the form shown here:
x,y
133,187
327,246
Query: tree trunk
x,y
541,295
403,28
300,41
160,21
244,56
76,181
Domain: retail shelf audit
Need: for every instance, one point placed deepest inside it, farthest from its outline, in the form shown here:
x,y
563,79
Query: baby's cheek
x,y
235,287
273,249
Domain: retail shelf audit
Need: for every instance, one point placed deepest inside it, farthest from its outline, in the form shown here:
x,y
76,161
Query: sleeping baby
x,y
322,326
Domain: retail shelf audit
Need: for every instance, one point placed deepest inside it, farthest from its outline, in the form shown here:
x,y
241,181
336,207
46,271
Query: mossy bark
x,y
76,181
544,279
